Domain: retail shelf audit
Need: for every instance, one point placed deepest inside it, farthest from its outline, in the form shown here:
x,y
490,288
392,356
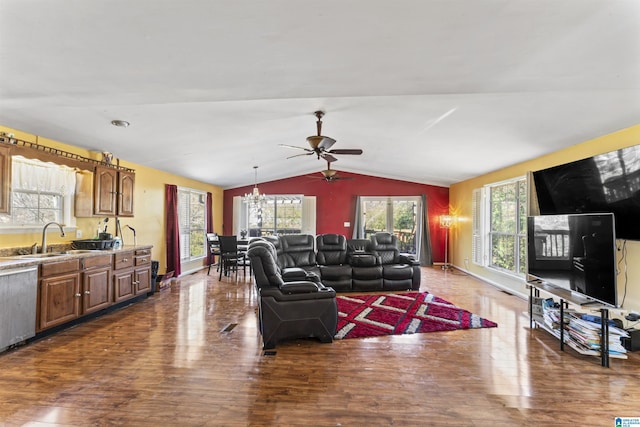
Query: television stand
x,y
566,297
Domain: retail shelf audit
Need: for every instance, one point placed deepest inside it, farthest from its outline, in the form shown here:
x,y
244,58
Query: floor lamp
x,y
446,222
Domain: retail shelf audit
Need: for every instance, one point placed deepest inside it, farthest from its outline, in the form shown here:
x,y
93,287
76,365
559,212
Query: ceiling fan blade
x,y
328,157
326,143
293,146
298,155
355,151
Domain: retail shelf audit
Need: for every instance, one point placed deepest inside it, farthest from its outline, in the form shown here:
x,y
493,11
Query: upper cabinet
x,y
113,192
5,179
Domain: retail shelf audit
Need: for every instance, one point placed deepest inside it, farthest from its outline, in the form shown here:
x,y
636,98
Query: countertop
x,y
11,262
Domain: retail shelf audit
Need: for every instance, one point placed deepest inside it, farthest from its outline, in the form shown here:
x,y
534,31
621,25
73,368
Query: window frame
x,y
185,227
389,219
482,199
65,212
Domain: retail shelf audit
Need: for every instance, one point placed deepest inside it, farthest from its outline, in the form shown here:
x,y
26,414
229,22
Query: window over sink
x,y
41,192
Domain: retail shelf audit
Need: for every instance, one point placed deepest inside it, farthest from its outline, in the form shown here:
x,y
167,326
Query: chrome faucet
x,y
44,235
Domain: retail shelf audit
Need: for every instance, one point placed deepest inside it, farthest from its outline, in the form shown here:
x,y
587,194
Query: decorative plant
x,y
243,234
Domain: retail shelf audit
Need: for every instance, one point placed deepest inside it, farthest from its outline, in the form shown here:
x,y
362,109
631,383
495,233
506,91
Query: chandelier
x,y
255,197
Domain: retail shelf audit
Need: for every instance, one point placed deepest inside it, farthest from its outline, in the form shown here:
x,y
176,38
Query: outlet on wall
x,y
78,234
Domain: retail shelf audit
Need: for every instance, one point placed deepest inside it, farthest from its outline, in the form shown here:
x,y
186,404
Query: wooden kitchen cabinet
x,y
113,192
132,274
97,292
58,293
5,179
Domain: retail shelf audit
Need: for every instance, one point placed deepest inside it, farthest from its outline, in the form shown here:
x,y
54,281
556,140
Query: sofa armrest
x,y
291,274
408,259
299,287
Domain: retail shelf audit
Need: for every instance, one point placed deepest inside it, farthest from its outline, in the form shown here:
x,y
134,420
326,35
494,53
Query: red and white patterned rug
x,y
402,313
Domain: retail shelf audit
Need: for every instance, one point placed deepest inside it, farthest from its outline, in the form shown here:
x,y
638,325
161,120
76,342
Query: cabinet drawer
x,y
142,260
123,260
96,261
52,268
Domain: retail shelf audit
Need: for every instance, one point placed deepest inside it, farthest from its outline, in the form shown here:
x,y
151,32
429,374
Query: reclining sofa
x,y
364,265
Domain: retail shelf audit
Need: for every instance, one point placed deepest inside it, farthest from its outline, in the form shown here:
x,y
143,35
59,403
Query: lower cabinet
x,y
132,274
73,288
58,293
97,292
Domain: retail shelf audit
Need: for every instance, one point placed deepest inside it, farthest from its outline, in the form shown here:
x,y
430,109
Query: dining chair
x,y
230,257
213,243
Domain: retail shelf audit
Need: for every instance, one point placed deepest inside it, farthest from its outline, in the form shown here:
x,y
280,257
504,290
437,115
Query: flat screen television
x,y
608,182
576,252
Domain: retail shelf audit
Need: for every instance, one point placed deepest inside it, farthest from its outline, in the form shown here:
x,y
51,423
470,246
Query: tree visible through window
x,y
508,225
191,217
397,215
40,193
275,215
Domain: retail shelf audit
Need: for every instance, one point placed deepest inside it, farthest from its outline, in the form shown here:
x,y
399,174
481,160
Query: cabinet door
x,y
96,289
126,181
142,279
123,285
59,299
105,191
5,178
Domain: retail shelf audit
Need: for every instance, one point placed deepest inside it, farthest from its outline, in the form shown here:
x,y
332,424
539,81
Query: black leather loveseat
x,y
374,264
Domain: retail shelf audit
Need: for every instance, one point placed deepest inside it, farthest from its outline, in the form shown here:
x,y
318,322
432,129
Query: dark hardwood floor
x,y
175,359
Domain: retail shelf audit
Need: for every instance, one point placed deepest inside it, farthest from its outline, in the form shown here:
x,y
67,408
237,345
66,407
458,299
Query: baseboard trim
x,y
494,284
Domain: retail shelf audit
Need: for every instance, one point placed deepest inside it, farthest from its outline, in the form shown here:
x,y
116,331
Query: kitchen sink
x,y
30,256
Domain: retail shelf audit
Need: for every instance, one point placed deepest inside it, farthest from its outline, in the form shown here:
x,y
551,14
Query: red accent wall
x,y
336,201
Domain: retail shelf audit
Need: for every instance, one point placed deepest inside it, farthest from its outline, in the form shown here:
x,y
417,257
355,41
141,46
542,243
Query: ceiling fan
x,y
330,175
321,145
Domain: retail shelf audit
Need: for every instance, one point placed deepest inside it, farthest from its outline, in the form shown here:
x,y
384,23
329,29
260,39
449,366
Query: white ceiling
x,y
432,91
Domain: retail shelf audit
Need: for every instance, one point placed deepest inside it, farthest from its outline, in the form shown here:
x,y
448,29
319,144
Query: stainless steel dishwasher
x,y
18,305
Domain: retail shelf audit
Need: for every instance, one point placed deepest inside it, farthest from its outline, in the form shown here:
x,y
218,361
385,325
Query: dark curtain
x,y
426,255
209,213
358,229
172,230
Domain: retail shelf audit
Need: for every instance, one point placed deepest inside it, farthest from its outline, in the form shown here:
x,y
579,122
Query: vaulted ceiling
x,y
433,91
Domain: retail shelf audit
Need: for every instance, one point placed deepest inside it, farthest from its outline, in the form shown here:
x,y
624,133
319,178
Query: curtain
x,y
34,175
209,213
358,229
172,230
426,255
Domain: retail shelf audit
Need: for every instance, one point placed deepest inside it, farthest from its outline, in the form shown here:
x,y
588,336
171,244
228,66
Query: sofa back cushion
x,y
332,249
297,250
385,245
266,272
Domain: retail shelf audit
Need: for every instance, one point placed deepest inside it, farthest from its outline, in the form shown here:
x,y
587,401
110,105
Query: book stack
x,y
585,336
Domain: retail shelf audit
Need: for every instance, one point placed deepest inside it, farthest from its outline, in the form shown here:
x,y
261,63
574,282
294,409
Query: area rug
x,y
362,316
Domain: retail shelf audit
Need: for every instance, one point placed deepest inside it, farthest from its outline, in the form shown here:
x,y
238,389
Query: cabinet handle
x,y
78,295
143,260
125,259
87,292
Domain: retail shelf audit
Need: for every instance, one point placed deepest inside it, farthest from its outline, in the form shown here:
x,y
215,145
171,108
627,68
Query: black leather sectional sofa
x,y
347,265
297,280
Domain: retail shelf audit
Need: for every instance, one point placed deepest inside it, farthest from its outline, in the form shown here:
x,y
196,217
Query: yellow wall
x,y
460,199
149,217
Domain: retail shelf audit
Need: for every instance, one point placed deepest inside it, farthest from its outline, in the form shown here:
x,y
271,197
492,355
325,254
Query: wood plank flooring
x,y
176,359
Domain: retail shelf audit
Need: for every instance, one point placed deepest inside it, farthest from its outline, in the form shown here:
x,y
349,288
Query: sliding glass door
x,y
397,215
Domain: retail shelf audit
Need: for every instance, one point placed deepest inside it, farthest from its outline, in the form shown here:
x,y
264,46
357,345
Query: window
x,y
397,215
277,214
40,193
191,218
506,211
